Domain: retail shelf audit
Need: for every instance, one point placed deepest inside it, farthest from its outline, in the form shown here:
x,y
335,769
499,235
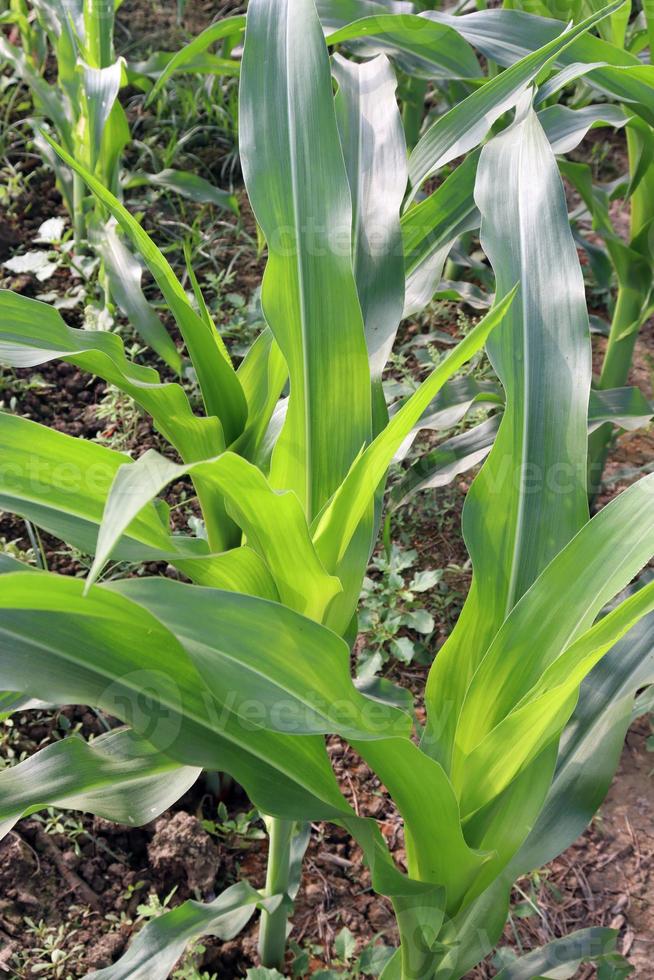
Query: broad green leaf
x,y
506,36
466,125
542,712
372,136
626,407
309,294
421,47
195,188
221,390
565,128
98,31
60,483
227,27
430,228
33,333
611,549
424,796
124,273
262,374
161,942
272,667
562,956
274,523
516,517
59,645
590,748
100,87
119,776
337,524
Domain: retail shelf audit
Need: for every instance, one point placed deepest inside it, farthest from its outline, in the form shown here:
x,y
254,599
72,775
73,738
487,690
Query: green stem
x,y
417,937
615,374
413,110
272,931
79,224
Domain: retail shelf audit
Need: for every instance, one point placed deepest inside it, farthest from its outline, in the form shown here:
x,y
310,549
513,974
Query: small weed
x,y
53,953
121,417
347,963
153,906
56,821
246,825
393,619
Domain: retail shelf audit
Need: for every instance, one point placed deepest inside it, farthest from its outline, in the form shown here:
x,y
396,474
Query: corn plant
x,y
245,668
82,109
437,48
82,104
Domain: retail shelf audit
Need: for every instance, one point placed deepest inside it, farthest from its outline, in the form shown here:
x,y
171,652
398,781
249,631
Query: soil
x,y
84,881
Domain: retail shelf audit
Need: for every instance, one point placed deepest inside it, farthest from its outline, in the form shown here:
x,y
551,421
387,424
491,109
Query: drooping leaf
x,y
33,333
60,645
226,27
195,188
465,125
152,954
124,273
220,388
564,956
119,776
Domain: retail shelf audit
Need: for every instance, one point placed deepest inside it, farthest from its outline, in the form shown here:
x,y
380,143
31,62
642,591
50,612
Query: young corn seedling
x,y
82,110
246,668
81,105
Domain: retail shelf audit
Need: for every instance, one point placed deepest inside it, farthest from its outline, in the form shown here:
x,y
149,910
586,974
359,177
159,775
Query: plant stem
x,y
615,373
79,225
413,109
272,931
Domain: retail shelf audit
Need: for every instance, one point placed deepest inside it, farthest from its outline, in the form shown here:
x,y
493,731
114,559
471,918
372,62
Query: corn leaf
x,y
33,333
505,36
564,955
372,137
195,188
309,294
161,942
269,665
124,274
226,27
542,357
119,776
430,228
421,47
337,524
274,523
611,548
565,128
465,125
102,649
221,391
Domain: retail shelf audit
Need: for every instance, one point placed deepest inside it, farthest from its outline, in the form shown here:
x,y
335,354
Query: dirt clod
x,y
180,847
